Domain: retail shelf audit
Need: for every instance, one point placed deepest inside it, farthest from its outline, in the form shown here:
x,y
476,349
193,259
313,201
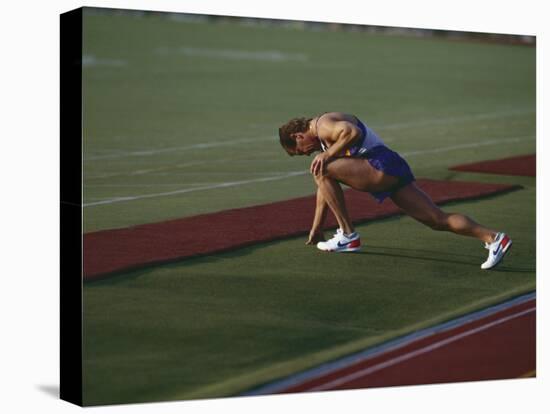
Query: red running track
x,y
499,346
524,165
111,251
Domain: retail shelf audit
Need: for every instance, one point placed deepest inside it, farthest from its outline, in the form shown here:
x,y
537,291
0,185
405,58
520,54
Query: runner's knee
x,y
319,179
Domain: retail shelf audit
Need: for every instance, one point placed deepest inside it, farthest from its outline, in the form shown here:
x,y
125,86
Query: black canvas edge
x,y
71,25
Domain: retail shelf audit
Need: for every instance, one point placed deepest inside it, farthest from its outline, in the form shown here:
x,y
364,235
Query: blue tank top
x,y
368,141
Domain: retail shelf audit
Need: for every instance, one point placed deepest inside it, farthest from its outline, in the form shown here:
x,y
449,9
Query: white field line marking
x,y
146,171
222,174
213,144
155,185
204,145
163,171
91,61
234,54
169,171
187,190
284,175
225,173
454,119
465,146
410,355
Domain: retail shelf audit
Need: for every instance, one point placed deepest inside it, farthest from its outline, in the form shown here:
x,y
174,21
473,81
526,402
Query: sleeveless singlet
x,y
380,157
368,141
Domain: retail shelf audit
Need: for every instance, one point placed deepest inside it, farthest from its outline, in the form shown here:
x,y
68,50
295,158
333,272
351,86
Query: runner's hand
x,y
318,164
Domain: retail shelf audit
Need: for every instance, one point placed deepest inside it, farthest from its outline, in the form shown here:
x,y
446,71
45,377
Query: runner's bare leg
x,y
358,174
419,206
333,195
321,210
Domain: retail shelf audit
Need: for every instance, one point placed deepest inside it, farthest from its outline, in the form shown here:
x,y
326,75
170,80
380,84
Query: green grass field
x,y
180,118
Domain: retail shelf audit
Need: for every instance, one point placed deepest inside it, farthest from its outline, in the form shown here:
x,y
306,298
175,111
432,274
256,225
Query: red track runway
x,y
499,345
110,251
525,165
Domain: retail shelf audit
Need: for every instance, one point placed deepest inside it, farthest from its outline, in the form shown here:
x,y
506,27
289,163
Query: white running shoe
x,y
341,242
497,250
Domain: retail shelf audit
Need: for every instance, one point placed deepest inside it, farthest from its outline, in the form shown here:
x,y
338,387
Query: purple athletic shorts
x,y
389,162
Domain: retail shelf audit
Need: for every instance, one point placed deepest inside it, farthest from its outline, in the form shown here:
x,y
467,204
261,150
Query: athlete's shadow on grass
x,y
436,256
385,251
417,251
415,257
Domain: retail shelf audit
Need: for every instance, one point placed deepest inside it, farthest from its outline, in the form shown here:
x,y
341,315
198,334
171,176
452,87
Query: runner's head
x,y
296,138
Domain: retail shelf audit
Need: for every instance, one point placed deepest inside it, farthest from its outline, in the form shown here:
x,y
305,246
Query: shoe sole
x,y
350,247
504,251
349,250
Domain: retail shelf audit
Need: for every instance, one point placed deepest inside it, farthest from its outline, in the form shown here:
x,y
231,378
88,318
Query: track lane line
x,y
188,190
410,355
292,174
301,380
394,126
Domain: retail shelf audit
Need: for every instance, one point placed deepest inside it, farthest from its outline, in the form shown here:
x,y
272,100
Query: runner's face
x,y
305,145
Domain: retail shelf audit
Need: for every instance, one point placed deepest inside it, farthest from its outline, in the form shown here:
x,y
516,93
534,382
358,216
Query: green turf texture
x,y
418,94
218,325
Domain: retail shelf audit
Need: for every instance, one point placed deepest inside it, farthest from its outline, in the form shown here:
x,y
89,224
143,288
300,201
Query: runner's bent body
x,y
352,154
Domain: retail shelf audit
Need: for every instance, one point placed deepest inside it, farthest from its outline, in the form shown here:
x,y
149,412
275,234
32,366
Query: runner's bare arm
x,y
316,232
341,135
